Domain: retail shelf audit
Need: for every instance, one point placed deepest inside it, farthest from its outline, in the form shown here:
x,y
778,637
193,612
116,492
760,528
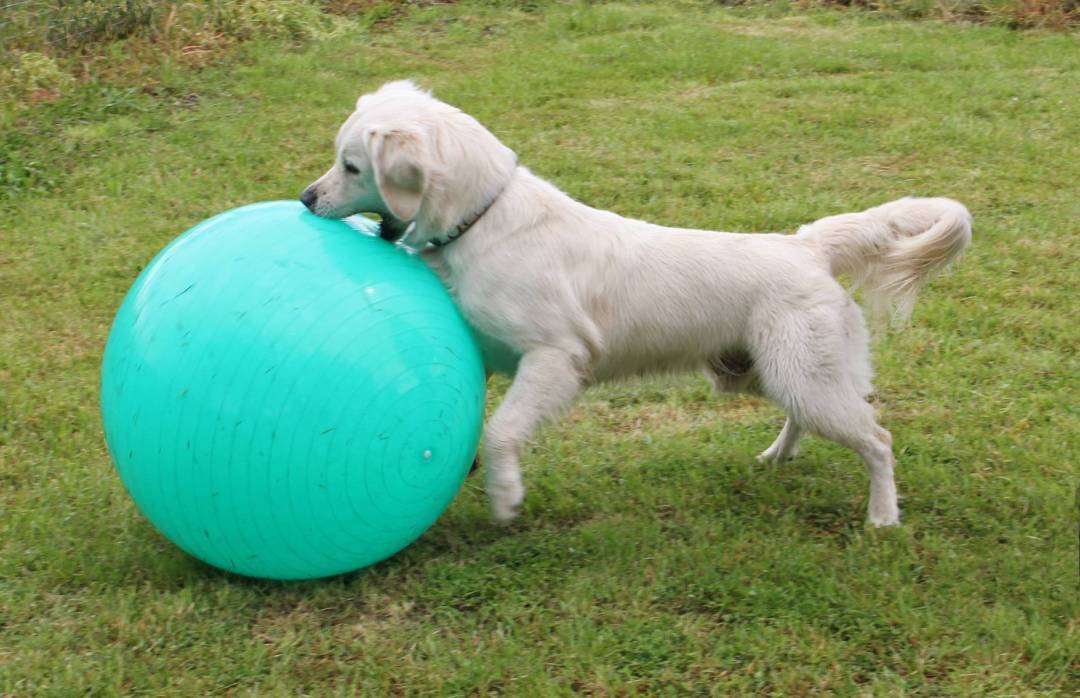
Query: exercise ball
x,y
290,397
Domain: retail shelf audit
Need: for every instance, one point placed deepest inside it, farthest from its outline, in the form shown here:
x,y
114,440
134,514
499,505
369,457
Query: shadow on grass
x,y
465,558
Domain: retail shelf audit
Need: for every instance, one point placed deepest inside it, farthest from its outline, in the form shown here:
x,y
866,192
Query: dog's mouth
x,y
391,229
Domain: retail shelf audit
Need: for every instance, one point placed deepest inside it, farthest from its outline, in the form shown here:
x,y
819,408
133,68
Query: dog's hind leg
x,y
849,420
854,426
546,383
733,372
816,365
838,413
786,445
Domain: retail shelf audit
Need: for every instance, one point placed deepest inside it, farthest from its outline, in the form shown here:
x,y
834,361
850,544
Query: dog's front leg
x,y
546,382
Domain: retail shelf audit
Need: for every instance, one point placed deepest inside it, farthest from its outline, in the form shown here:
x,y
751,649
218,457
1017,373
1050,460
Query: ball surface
x,y
287,397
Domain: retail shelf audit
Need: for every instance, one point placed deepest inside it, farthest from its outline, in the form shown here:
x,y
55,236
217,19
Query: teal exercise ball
x,y
290,397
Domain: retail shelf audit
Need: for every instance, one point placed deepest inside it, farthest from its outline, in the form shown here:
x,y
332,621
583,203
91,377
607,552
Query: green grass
x,y
653,555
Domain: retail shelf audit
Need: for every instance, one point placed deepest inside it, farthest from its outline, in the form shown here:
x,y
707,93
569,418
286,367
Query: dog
x,y
583,295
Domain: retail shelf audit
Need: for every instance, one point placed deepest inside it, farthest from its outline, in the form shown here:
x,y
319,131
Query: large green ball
x,y
287,397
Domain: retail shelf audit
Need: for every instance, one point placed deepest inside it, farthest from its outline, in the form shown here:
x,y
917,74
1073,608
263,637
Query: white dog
x,y
585,295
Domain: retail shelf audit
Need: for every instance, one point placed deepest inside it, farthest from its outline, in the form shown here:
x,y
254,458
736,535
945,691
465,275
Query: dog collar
x,y
463,227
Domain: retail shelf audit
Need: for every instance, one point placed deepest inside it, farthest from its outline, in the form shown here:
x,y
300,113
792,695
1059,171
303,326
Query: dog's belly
x,y
613,368
667,350
646,335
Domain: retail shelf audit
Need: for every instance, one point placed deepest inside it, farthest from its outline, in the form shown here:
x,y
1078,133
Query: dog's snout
x,y
308,198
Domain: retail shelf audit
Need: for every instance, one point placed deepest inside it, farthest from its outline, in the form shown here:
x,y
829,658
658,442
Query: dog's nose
x,y
308,198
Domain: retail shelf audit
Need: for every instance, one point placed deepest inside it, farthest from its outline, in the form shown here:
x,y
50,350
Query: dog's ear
x,y
397,157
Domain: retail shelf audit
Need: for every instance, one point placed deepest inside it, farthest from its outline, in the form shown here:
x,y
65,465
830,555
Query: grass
x,y
653,555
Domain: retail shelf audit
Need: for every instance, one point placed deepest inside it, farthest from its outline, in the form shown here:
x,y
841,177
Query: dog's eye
x,y
351,168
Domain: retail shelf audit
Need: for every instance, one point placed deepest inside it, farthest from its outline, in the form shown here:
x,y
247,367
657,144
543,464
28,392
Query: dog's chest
x,y
476,305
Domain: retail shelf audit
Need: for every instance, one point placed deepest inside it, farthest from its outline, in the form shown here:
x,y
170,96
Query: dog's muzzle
x,y
308,198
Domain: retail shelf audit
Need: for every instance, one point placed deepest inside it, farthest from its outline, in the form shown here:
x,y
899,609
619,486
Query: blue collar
x,y
463,227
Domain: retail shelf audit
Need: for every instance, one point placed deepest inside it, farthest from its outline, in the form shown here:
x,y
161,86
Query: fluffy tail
x,y
892,250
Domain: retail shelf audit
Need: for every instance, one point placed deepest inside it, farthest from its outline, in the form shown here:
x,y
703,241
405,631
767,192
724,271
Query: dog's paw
x,y
772,455
888,516
766,456
505,499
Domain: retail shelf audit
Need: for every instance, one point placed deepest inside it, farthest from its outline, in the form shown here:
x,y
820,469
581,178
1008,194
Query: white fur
x,y
586,295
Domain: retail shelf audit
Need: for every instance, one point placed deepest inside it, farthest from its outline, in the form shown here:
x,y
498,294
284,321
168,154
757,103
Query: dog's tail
x,y
892,250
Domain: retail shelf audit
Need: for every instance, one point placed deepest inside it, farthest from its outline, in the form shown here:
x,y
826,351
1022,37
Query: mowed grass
x,y
654,556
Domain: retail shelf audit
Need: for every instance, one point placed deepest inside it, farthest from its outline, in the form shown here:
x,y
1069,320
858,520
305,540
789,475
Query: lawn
x,y
653,556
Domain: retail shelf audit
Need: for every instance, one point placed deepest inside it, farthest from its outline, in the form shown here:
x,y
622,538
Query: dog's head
x,y
411,159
